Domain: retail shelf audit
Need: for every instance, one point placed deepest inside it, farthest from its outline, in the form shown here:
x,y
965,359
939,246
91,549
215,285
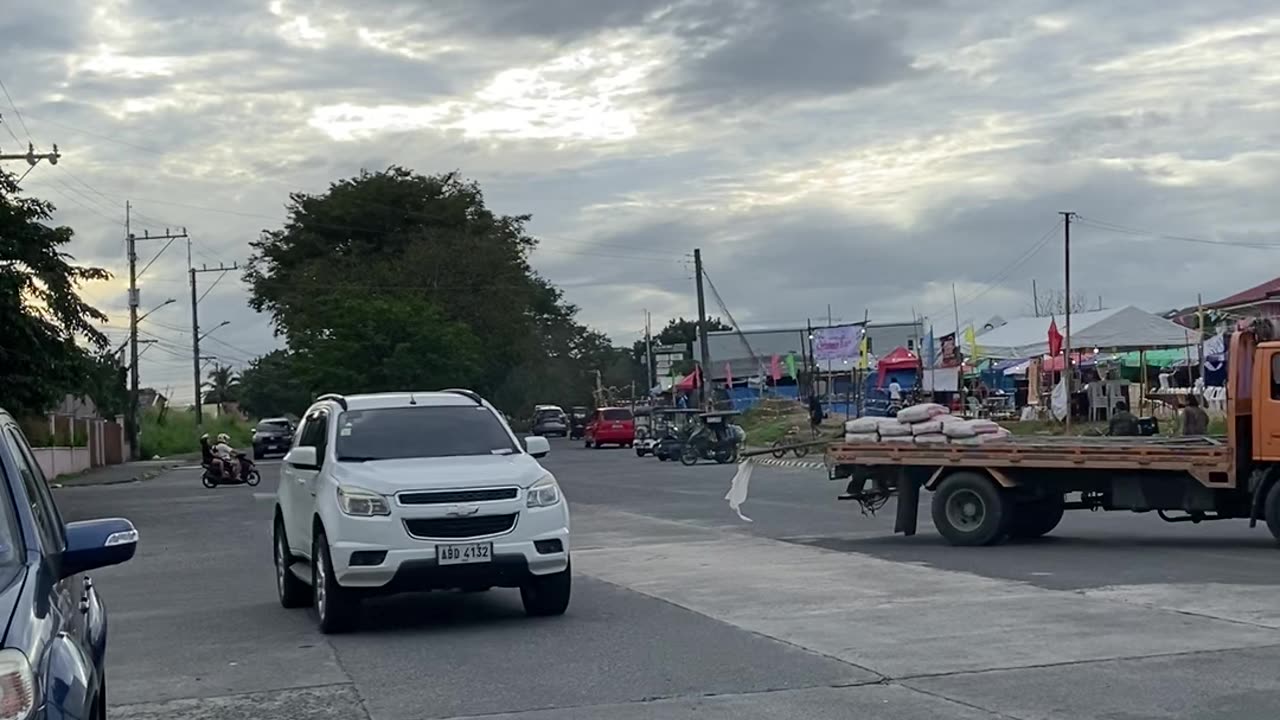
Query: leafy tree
x,y
272,386
682,333
223,385
44,320
395,279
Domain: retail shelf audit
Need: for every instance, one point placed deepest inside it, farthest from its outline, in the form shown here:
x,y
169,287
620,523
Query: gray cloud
x,y
813,50
817,152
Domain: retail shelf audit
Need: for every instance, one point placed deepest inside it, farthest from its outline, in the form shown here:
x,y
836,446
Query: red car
x,y
611,426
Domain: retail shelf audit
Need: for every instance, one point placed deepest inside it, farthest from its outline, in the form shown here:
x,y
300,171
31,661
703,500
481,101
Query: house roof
x,y
1258,293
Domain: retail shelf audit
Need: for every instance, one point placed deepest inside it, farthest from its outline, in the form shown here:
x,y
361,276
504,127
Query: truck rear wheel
x,y
1035,519
969,509
1271,510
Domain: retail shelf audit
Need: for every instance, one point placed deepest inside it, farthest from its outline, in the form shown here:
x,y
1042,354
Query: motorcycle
x,y
212,477
717,439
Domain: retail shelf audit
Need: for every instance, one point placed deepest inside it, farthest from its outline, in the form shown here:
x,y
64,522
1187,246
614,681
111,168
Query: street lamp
x,y
170,301
222,324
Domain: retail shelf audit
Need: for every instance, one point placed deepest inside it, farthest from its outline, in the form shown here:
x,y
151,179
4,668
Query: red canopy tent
x,y
900,359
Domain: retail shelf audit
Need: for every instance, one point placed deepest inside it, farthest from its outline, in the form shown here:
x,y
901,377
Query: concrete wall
x,y
55,461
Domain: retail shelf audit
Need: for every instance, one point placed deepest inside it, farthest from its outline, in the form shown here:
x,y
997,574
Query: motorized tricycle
x,y
578,416
676,425
718,438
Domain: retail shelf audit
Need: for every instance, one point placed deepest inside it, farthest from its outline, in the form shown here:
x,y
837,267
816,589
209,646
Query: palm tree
x,y
223,385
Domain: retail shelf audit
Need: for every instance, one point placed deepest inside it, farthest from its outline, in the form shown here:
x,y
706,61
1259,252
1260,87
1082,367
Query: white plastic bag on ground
x,y
862,425
738,489
930,439
921,412
928,427
861,437
894,429
961,429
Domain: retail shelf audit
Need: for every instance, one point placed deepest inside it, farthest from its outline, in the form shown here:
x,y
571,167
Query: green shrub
x,y
174,432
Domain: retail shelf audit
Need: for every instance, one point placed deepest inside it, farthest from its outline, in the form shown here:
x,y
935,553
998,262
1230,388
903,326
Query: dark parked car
x,y
550,421
53,652
273,435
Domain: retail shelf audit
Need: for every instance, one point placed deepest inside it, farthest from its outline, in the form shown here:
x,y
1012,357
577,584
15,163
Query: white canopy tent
x,y
1119,330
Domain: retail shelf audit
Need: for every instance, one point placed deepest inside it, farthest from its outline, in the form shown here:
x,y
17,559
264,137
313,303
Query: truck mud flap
x,y
908,504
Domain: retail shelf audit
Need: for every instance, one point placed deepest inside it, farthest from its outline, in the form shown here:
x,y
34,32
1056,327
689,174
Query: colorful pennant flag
x,y
971,338
728,375
864,350
791,366
775,369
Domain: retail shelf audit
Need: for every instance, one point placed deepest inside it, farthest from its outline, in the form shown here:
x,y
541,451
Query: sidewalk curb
x,y
79,480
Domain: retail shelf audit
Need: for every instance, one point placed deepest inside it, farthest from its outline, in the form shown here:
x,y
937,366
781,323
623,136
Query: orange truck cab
x,y
1020,488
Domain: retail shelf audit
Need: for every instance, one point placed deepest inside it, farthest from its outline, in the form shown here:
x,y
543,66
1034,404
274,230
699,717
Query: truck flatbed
x,y
1203,454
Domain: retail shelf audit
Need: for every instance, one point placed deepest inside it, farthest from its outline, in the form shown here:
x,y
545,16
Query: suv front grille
x,y
446,497
467,527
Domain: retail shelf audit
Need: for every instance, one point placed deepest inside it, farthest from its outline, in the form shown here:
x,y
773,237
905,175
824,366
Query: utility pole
x,y
1035,298
704,350
1066,309
195,327
651,375
32,157
131,417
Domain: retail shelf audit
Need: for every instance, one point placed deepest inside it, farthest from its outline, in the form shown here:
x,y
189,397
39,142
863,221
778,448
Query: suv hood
x,y
472,471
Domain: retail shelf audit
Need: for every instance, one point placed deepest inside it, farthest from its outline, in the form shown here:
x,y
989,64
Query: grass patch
x,y
174,432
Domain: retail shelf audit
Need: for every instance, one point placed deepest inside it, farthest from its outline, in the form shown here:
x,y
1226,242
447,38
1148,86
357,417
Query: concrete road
x,y
682,610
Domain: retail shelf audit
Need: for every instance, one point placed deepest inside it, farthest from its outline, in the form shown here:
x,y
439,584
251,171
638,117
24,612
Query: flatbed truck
x,y
1020,487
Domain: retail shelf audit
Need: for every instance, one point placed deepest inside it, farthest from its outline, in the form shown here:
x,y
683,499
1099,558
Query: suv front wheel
x,y
337,608
545,595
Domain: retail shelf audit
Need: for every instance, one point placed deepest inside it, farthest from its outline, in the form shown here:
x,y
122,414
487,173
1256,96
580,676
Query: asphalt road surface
x,y
681,610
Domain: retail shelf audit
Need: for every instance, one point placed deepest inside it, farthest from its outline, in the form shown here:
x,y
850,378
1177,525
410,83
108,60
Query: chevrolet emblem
x,y
463,510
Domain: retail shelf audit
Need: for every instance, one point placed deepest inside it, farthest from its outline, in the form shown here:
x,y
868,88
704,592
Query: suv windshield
x,y
428,431
616,415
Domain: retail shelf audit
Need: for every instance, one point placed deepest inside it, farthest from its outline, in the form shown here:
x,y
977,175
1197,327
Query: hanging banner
x,y
836,343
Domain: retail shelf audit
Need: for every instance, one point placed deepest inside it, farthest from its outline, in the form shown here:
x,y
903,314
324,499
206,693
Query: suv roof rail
x,y
470,394
342,401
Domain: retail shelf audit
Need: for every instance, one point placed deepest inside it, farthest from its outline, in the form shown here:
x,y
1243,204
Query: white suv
x,y
416,491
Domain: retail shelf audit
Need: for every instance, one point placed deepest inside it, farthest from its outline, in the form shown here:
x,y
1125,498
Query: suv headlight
x,y
17,686
543,493
362,503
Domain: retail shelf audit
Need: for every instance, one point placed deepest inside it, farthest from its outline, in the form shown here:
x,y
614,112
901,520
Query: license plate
x,y
617,426
464,554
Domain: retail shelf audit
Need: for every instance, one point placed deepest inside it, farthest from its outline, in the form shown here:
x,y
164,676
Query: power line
x,y
16,111
1139,232
1004,272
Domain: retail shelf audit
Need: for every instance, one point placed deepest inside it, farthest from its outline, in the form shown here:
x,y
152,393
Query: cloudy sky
x,y
862,155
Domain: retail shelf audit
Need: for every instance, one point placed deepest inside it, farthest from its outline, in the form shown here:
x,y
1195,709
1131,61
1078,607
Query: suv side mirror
x,y
93,544
537,446
303,457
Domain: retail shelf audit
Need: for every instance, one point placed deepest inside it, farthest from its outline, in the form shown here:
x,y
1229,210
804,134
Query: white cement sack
x,y
928,427
861,437
862,425
948,418
961,429
894,429
921,412
897,438
971,440
931,439
985,427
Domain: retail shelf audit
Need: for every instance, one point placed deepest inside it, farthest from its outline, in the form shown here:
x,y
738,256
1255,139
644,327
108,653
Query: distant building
x,y
1260,301
151,398
737,349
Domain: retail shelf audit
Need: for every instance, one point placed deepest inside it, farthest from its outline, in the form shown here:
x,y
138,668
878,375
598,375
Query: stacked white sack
x,y
861,437
931,439
921,413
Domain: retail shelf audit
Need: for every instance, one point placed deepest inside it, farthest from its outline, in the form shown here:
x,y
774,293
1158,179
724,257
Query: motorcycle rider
x,y
223,452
